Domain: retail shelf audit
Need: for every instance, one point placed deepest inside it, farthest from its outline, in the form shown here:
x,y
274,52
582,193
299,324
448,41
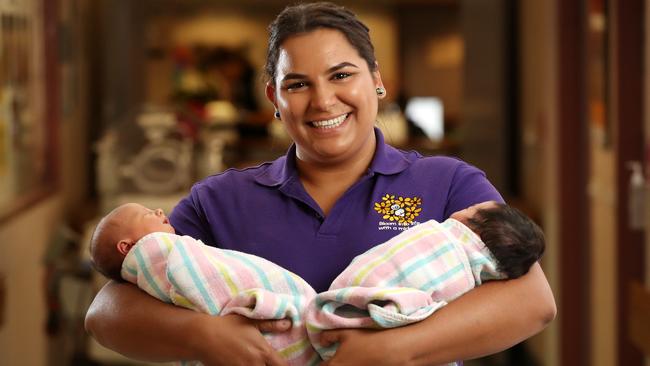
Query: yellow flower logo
x,y
402,210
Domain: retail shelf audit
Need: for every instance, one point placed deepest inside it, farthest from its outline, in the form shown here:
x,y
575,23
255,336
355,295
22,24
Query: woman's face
x,y
326,96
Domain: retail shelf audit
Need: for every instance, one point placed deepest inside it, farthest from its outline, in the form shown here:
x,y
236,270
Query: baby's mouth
x,y
329,123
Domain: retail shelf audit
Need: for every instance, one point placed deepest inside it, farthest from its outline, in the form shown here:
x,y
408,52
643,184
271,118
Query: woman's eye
x,y
341,75
296,85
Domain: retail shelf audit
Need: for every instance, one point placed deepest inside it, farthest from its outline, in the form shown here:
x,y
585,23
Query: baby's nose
x,y
159,212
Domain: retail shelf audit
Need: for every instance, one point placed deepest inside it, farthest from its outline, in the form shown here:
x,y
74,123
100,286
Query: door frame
x,y
573,165
628,51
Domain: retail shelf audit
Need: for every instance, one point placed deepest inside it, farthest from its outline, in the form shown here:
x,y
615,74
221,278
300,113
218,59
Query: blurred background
x,y
110,101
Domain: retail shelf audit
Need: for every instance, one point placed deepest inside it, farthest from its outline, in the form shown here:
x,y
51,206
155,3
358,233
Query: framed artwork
x,y
27,156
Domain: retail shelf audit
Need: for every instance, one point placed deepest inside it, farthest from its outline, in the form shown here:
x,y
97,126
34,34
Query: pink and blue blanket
x,y
396,283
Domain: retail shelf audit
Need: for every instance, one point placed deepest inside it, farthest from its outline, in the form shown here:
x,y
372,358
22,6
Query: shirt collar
x,y
387,161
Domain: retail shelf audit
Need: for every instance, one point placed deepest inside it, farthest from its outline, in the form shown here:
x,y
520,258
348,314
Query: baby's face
x,y
140,221
464,215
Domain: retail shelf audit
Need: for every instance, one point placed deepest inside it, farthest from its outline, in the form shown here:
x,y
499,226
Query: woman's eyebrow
x,y
293,75
340,66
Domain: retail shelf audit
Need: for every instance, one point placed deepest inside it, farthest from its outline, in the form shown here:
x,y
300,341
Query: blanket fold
x,y
183,271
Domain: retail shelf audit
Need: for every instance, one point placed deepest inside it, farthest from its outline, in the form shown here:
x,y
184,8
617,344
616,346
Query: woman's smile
x,y
329,123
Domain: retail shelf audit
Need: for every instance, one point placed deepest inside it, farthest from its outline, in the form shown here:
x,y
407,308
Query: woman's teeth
x,y
330,123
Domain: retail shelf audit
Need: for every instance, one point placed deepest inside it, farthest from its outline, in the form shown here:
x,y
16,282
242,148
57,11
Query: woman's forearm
x,y
129,321
486,320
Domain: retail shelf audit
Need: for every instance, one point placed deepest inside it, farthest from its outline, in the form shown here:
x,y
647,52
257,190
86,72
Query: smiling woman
x,y
329,106
316,208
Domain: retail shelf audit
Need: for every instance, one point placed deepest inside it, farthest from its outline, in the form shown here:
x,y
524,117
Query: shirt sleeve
x,y
469,186
188,217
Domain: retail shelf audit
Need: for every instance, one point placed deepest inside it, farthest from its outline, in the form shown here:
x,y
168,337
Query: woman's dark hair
x,y
513,238
304,18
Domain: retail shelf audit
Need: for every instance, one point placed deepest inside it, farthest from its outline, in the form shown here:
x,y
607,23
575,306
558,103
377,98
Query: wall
x,y
432,54
646,125
74,145
538,45
540,163
486,121
646,121
383,33
24,239
602,193
602,190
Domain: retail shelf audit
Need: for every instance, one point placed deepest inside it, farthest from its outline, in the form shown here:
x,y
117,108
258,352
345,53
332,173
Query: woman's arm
x,y
127,320
486,320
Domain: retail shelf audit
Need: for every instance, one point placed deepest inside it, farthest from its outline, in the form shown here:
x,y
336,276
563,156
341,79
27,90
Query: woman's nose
x,y
323,97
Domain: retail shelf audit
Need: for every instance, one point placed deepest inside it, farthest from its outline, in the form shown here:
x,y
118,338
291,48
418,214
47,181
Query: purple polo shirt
x,y
266,211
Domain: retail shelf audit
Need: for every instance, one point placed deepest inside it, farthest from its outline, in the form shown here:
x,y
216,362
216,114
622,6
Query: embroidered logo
x,y
400,210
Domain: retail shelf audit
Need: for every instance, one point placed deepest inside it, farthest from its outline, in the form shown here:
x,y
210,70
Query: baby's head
x,y
117,232
512,237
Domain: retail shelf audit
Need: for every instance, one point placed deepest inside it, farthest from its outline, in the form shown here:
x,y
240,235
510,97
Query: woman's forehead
x,y
317,50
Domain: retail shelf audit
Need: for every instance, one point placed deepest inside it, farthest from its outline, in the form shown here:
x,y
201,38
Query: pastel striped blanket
x,y
396,283
402,281
183,271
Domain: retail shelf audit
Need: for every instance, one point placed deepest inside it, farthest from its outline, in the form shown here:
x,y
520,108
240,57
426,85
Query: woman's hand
x,y
486,320
131,322
359,347
236,340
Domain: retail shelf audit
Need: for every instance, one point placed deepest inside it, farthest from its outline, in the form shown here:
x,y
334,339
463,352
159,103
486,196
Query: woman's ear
x,y
124,246
377,76
270,94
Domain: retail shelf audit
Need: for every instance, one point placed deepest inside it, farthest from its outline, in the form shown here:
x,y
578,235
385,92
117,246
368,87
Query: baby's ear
x,y
124,245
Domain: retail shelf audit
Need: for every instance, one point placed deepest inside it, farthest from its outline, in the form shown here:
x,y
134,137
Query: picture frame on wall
x,y
27,149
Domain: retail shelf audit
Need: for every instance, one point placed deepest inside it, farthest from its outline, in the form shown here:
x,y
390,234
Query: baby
x,y
137,244
117,233
409,277
395,283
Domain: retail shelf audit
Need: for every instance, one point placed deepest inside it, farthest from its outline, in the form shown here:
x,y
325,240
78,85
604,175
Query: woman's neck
x,y
326,183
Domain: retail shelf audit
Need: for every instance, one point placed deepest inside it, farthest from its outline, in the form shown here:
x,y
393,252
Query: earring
x,y
380,91
277,114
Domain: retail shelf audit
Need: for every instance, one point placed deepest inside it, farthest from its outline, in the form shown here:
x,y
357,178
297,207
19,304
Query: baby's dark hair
x,y
513,238
104,256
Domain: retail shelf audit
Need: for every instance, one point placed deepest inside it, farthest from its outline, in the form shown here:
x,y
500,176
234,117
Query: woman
x,y
339,191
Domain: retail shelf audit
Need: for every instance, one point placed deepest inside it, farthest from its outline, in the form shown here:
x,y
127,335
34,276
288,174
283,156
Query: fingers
x,y
273,326
274,359
240,342
330,337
